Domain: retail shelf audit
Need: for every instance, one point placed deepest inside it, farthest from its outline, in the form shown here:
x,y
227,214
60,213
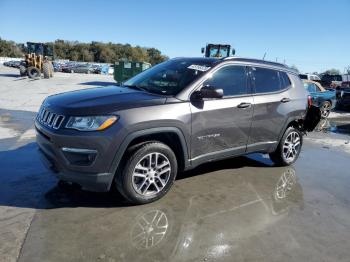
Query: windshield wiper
x,y
135,87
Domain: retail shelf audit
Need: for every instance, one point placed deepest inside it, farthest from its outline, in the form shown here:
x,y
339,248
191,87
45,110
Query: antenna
x,y
264,56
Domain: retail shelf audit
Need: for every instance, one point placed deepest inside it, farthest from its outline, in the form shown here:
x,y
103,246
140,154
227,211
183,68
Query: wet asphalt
x,y
240,209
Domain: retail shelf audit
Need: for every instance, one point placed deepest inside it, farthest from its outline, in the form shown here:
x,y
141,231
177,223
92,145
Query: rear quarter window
x,y
285,81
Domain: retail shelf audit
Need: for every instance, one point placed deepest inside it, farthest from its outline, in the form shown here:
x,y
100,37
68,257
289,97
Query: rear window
x,y
265,80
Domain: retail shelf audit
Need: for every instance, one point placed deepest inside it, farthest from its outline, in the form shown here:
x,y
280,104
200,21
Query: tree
x,y
347,70
155,56
295,68
90,52
332,72
10,49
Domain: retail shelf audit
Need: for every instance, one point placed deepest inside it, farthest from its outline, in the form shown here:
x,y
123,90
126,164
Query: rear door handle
x,y
285,100
244,105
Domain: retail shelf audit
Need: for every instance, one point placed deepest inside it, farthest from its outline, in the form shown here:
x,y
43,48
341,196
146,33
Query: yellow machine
x,y
37,60
217,50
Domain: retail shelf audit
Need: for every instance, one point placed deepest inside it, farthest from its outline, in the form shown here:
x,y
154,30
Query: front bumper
x,y
91,171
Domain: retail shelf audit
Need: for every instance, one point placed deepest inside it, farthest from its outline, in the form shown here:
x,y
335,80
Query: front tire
x,y
288,150
34,72
148,174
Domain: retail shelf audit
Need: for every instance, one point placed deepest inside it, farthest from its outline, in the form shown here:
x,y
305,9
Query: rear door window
x,y
265,80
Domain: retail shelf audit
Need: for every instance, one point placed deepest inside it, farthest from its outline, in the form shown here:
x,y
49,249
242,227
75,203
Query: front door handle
x,y
285,100
244,105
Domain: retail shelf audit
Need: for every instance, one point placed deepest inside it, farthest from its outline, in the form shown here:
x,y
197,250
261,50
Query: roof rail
x,y
252,60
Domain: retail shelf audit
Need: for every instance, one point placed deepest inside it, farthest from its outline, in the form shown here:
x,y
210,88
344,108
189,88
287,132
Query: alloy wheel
x,y
151,174
291,146
325,109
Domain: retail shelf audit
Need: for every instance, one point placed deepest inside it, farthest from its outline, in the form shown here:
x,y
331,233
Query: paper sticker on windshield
x,y
199,67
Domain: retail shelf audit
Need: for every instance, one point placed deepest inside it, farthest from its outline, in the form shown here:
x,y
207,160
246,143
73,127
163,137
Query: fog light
x,y
79,156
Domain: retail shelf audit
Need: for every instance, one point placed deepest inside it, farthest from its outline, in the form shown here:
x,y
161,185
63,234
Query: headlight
x,y
90,123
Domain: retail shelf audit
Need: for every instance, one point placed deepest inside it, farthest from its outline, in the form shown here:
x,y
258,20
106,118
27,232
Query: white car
x,y
311,77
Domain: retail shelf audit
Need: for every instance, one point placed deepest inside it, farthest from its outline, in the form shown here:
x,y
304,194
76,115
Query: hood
x,y
101,100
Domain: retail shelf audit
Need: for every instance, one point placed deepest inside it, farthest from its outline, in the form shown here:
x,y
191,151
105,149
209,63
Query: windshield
x,y
218,52
303,76
170,77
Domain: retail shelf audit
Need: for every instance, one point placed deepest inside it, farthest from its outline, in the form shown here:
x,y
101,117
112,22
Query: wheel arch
x,y
294,122
171,136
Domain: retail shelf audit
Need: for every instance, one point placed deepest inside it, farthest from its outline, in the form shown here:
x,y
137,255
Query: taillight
x,y
309,101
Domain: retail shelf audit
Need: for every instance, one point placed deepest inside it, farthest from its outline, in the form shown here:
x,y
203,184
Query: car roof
x,y
214,60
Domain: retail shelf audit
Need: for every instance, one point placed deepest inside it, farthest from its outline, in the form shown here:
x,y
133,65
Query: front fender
x,y
150,131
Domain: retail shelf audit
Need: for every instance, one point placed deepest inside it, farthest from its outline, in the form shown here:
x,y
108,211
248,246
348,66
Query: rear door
x,y
221,126
271,107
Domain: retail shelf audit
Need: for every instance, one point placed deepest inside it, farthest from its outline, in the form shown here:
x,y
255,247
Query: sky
x,y
312,35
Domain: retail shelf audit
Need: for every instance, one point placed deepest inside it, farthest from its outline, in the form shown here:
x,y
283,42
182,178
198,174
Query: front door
x,y
220,127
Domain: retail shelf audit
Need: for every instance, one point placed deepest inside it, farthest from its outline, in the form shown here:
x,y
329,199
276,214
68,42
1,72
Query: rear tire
x,y
52,70
34,72
22,70
288,150
46,70
148,174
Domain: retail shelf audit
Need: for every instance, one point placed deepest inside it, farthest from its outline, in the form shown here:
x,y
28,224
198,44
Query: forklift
x,y
38,60
217,50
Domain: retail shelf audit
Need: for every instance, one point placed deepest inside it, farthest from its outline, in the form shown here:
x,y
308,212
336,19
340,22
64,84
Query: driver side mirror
x,y
208,91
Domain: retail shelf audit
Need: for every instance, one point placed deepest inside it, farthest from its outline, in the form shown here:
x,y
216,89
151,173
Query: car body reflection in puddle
x,y
341,126
207,217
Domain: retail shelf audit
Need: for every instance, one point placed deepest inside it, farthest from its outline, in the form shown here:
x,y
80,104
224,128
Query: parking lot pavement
x,y
243,209
22,93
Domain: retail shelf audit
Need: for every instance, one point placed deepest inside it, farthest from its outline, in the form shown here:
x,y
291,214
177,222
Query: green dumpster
x,y
123,70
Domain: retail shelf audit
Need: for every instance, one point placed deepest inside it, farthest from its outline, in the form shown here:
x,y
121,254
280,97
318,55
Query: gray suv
x,y
170,118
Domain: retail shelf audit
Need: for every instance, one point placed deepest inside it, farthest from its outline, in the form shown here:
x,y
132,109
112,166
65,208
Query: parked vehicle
x,y
83,69
7,63
311,77
68,67
57,67
343,97
331,81
173,117
345,81
96,69
13,63
322,98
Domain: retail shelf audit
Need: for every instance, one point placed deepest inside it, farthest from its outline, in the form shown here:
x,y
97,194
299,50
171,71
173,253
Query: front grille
x,y
49,119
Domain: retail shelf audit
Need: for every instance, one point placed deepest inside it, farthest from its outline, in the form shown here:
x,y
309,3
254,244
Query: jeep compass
x,y
170,118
